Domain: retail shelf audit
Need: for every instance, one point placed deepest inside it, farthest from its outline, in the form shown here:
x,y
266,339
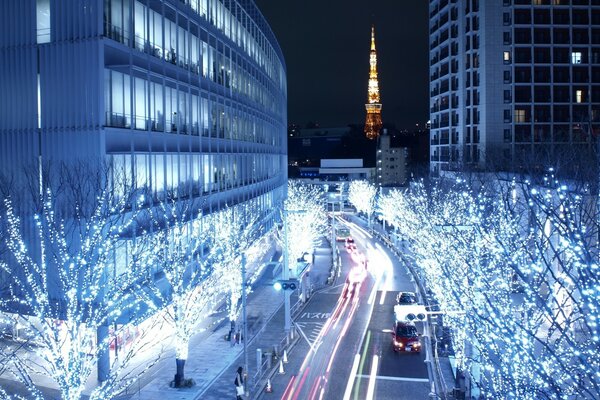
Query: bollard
x,y
276,350
269,356
259,359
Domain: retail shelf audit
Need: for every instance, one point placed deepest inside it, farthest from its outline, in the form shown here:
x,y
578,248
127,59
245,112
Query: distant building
x,y
512,81
392,162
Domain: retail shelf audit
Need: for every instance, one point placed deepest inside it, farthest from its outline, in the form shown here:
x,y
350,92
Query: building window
x,y
507,96
506,18
507,77
507,135
506,115
506,37
579,96
43,21
576,57
519,115
506,57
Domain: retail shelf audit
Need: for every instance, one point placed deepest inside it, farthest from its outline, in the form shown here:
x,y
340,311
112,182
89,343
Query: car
x,y
354,280
406,338
406,298
350,243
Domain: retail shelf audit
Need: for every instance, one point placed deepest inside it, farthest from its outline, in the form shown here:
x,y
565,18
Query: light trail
x,y
289,387
382,298
315,388
299,387
352,377
362,361
373,377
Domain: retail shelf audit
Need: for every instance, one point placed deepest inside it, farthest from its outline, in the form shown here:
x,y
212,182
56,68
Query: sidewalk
x,y
213,361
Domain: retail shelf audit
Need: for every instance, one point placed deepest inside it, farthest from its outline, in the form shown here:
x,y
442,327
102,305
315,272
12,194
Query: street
x,y
345,350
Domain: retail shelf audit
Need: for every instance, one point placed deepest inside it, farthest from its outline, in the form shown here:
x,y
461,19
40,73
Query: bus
x,y
342,234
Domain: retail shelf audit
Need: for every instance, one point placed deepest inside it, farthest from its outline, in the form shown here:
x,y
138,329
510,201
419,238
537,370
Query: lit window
x,y
507,56
576,57
519,115
43,21
579,96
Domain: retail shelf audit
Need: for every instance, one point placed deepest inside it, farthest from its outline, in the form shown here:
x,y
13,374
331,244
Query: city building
x,y
188,96
306,146
512,81
373,122
392,162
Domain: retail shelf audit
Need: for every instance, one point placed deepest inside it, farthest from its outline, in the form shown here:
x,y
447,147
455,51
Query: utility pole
x,y
285,276
244,319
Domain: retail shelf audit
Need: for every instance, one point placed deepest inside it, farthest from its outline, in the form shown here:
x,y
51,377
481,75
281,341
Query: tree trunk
x,y
179,376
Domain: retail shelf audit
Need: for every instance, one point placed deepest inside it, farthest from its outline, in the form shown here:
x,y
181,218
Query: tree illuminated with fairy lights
x,y
362,194
190,289
515,267
235,232
304,209
63,286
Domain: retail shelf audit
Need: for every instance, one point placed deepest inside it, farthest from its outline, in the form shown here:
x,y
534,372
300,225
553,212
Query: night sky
x,y
326,47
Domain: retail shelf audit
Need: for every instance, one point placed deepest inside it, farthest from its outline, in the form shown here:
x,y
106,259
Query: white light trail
x,y
372,378
352,377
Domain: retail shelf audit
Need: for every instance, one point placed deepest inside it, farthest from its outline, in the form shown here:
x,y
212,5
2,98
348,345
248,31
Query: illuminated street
x,y
340,349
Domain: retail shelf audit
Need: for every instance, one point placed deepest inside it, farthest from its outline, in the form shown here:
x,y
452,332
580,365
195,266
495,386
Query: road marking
x,y
382,298
315,315
373,377
312,347
395,378
362,361
352,377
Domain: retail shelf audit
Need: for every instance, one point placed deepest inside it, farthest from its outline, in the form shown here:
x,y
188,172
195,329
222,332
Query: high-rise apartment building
x,y
512,80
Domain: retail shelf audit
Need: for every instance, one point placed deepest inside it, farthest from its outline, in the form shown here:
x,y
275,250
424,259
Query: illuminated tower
x,y
373,124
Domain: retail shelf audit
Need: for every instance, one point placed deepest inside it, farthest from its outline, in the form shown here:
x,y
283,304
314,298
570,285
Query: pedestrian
x,y
239,383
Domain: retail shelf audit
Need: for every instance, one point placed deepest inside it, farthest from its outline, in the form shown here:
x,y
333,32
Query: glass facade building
x,y
184,94
512,79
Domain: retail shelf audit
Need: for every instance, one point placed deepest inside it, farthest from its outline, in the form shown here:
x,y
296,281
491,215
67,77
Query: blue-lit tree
x,y
235,232
64,285
515,268
304,209
362,194
189,289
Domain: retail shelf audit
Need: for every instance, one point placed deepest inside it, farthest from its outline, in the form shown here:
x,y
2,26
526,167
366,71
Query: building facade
x,y
185,97
512,80
188,95
391,162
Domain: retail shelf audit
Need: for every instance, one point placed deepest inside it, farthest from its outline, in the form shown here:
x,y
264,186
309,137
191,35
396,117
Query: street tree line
x,y
98,272
514,264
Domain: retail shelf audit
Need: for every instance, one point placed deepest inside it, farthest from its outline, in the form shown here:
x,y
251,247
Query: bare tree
x,y
306,219
362,194
68,284
512,266
188,288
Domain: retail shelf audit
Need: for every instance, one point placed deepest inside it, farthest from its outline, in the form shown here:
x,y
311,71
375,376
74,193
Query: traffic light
x,y
410,313
286,284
